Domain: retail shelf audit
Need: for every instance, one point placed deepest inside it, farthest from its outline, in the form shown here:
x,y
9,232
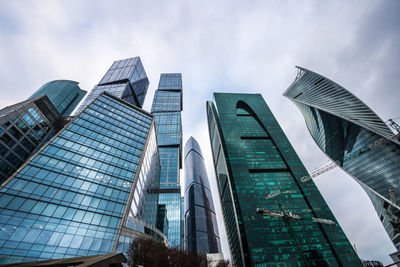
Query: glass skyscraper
x,y
88,191
257,172
166,109
201,235
126,79
24,127
352,135
64,94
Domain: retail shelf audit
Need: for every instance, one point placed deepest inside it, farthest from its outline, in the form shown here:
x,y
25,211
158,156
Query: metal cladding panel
x,y
260,161
350,133
322,93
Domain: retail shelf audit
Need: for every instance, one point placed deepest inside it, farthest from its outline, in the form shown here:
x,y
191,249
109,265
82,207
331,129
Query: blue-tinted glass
x,y
66,193
64,95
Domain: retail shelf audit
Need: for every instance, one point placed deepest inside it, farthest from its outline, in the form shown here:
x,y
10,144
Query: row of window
x,y
78,179
88,137
120,71
72,192
167,118
17,140
144,204
170,81
169,159
30,235
124,135
123,63
172,202
82,154
166,101
128,113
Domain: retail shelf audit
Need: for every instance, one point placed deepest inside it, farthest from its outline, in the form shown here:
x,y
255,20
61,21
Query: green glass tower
x,y
271,218
65,95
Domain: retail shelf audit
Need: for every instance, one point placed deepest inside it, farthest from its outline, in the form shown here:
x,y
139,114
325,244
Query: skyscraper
x,y
126,79
353,136
88,191
24,127
201,235
64,94
257,172
166,109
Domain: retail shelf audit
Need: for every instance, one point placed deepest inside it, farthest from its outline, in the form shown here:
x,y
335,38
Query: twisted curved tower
x,y
351,134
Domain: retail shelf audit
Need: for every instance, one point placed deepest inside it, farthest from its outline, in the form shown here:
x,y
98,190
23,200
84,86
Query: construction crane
x,y
287,218
282,214
287,214
319,171
277,193
291,216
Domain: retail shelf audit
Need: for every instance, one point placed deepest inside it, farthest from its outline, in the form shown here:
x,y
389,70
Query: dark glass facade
x,y
126,79
24,127
253,159
64,94
166,109
201,234
351,134
162,221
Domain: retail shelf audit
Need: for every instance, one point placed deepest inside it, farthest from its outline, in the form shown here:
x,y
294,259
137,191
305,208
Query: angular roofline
x,y
300,74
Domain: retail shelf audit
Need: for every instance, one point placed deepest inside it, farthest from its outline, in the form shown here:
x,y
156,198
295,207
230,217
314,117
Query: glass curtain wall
x,y
351,134
166,109
271,218
72,196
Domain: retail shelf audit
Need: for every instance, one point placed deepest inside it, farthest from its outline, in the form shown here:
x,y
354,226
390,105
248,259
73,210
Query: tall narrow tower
x,y
166,109
351,134
271,217
201,223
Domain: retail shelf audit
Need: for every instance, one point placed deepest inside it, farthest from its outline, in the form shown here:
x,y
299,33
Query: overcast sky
x,y
224,46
